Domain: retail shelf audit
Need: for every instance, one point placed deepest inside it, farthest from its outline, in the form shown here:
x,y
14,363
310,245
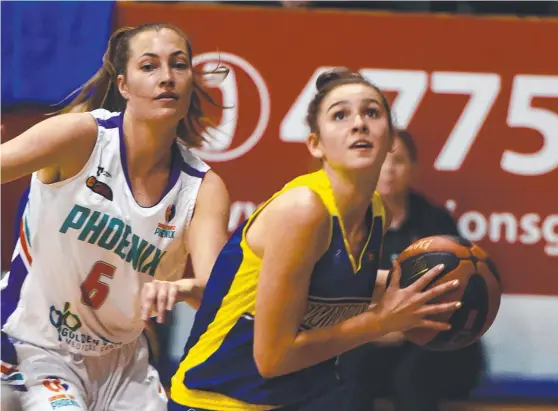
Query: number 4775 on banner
x,y
411,86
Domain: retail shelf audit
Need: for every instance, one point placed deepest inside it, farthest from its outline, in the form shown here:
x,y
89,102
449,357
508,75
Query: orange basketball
x,y
479,290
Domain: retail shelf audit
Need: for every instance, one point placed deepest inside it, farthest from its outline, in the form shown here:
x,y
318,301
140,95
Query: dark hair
x,y
409,143
330,80
101,90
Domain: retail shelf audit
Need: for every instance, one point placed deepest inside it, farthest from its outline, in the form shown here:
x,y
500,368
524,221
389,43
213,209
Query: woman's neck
x,y
353,195
148,145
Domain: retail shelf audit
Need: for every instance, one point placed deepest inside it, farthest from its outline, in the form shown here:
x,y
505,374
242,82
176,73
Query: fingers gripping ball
x,y
479,290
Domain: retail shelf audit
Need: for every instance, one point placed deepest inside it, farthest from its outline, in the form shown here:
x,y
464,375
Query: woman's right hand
x,y
401,309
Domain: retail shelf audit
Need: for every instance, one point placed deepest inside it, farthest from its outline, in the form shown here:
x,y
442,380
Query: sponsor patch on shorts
x,y
10,375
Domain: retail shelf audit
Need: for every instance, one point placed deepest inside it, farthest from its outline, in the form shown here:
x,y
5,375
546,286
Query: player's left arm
x,y
207,234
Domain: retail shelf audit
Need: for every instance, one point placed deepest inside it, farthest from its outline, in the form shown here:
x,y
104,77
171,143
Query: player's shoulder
x,y
213,193
317,181
106,122
71,129
303,198
301,204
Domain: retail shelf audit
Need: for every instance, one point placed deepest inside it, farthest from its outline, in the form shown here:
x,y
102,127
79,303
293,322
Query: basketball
x,y
479,290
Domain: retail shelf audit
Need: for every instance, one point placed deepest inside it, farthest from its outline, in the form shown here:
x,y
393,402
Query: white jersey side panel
x,y
86,248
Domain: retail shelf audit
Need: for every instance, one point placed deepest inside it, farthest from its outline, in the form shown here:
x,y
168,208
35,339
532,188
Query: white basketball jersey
x,y
86,248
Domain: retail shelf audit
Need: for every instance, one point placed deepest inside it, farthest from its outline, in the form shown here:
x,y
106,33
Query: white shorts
x,y
121,380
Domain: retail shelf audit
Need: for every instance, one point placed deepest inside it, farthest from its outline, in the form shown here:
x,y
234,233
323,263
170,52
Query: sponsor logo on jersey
x,y
167,230
68,326
99,187
111,233
102,172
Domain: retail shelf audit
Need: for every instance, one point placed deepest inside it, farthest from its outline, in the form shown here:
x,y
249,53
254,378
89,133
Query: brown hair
x,y
101,90
330,80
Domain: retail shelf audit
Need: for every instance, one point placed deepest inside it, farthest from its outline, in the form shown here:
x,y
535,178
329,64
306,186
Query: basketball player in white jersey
x,y
116,204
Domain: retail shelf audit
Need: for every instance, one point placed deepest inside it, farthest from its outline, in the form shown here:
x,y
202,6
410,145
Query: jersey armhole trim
x,y
192,207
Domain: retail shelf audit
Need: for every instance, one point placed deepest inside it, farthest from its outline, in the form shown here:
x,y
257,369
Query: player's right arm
x,y
292,235
57,147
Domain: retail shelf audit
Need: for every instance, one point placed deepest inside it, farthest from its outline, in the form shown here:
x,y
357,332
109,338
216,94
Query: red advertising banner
x,y
480,96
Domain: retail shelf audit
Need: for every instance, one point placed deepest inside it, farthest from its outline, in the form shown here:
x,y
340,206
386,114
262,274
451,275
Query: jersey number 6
x,y
94,291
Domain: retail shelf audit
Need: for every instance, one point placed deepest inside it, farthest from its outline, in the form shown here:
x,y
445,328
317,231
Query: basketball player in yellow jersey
x,y
293,286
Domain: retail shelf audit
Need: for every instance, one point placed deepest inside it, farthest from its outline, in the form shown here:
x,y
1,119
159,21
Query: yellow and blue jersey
x,y
218,370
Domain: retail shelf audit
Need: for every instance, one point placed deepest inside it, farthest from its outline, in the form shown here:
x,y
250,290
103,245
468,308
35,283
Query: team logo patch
x,y
167,230
170,213
99,187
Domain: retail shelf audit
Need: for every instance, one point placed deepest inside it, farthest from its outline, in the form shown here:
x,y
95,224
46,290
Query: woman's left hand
x,y
156,298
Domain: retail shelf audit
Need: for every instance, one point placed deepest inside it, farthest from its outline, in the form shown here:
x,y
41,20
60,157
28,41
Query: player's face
x,y
397,171
353,128
159,80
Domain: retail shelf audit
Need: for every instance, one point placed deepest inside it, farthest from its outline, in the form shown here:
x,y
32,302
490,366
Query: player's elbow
x,y
268,362
267,367
266,371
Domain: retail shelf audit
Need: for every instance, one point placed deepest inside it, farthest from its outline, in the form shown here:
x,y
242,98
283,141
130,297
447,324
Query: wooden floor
x,y
473,406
